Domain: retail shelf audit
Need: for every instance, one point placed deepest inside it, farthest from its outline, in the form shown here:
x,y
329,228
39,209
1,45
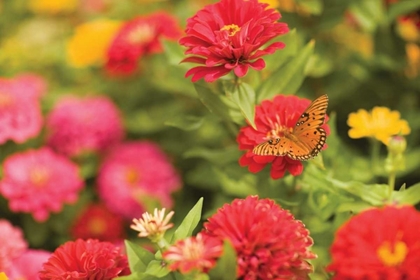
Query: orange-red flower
x,y
90,259
269,242
378,244
231,35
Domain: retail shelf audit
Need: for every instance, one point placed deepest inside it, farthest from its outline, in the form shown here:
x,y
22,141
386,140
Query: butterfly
x,y
305,140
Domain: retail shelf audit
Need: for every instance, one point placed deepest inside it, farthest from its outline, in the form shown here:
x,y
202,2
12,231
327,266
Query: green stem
x,y
391,183
375,150
163,244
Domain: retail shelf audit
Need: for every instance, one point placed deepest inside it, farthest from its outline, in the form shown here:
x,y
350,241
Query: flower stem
x,y
163,244
391,183
375,150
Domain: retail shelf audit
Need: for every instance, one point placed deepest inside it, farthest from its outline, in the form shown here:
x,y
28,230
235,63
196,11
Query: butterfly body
x,y
305,140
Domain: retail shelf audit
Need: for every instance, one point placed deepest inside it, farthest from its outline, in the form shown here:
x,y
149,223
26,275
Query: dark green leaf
x,y
189,223
212,101
288,78
185,122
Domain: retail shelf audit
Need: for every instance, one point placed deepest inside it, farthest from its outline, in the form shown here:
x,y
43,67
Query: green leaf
x,y
278,58
186,123
212,101
235,182
410,195
217,157
225,268
243,96
401,8
174,52
376,194
368,13
315,7
189,223
157,268
288,78
138,257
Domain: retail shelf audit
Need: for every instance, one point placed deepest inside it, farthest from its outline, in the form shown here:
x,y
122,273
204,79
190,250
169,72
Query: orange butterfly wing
x,y
307,138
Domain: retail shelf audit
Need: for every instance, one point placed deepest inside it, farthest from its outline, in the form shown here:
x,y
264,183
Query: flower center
x,y
231,29
39,176
5,100
142,33
392,256
132,176
97,226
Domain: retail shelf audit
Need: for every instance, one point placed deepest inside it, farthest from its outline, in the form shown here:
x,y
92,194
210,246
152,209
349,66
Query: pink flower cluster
x,y
20,117
136,176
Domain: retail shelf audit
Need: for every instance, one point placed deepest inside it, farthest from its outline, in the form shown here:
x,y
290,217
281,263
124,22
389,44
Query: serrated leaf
x,y
138,257
243,96
288,78
189,223
186,123
225,268
409,196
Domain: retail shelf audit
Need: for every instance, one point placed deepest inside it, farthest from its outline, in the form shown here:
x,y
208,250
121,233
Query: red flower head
x,y
135,177
197,253
272,118
230,35
97,222
39,182
269,242
140,36
378,244
83,125
90,259
20,117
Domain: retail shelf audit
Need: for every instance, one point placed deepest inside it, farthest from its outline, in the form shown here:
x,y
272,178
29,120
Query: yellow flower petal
x,y
272,3
90,42
381,123
3,276
52,7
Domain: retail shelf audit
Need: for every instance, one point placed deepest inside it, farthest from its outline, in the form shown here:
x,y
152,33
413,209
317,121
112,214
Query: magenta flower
x,y
83,125
90,259
20,117
231,35
12,244
39,182
135,177
28,265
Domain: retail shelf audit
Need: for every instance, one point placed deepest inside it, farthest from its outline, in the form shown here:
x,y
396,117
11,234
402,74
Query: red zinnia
x,y
269,242
90,259
97,222
230,35
194,253
140,36
271,118
378,244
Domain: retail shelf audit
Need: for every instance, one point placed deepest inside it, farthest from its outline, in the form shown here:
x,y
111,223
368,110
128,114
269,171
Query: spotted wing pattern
x,y
307,137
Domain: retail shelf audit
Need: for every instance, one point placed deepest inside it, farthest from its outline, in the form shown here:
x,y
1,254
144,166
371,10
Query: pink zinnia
x,y
378,244
231,35
28,265
84,125
39,182
269,242
140,36
135,177
12,244
197,253
97,222
271,118
20,117
90,259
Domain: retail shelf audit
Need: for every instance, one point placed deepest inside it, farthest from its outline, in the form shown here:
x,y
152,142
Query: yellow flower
x,y
3,276
381,123
271,3
52,7
90,42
